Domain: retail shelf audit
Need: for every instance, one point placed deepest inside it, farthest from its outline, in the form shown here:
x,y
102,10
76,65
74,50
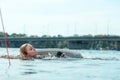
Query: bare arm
x,y
9,57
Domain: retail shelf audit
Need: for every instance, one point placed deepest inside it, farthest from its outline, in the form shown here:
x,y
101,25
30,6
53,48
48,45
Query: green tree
x,y
17,35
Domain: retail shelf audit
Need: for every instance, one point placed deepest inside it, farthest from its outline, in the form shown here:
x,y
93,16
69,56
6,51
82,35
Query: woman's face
x,y
31,52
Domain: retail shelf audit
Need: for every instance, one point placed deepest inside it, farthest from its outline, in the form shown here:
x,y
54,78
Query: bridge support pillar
x,y
118,45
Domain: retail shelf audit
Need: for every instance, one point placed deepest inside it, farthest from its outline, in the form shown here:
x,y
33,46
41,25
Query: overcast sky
x,y
65,17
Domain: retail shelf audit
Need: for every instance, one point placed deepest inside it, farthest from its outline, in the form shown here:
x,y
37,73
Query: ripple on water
x,y
29,72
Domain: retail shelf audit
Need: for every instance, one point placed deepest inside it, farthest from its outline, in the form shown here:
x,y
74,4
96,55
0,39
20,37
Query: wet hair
x,y
59,54
23,52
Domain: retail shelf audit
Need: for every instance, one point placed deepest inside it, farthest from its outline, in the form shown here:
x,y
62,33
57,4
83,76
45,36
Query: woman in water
x,y
27,51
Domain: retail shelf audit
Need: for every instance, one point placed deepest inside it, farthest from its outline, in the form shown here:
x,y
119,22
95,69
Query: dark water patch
x,y
29,72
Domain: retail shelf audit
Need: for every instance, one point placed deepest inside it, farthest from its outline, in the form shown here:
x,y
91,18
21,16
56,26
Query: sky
x,y
64,17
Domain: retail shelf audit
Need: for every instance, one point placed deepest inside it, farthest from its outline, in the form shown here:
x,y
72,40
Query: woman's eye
x,y
30,48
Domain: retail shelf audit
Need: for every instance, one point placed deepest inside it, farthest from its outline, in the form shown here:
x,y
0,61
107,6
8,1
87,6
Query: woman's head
x,y
27,50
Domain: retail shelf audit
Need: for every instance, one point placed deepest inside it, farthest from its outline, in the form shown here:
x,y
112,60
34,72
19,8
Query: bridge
x,y
66,42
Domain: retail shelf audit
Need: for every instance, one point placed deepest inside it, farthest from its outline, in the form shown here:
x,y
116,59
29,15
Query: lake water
x,y
96,65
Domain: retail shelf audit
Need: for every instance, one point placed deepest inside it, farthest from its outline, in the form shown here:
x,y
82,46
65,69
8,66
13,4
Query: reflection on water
x,y
28,69
29,72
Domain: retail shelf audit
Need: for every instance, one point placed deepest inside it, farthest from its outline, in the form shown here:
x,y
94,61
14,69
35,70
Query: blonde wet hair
x,y
23,52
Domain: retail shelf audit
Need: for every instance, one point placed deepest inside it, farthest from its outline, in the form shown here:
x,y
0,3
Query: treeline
x,y
12,35
20,35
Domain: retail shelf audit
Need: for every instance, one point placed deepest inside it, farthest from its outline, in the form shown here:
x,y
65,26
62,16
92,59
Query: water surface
x,y
96,65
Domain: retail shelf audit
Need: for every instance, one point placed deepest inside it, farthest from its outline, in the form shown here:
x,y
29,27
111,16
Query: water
x,y
96,65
